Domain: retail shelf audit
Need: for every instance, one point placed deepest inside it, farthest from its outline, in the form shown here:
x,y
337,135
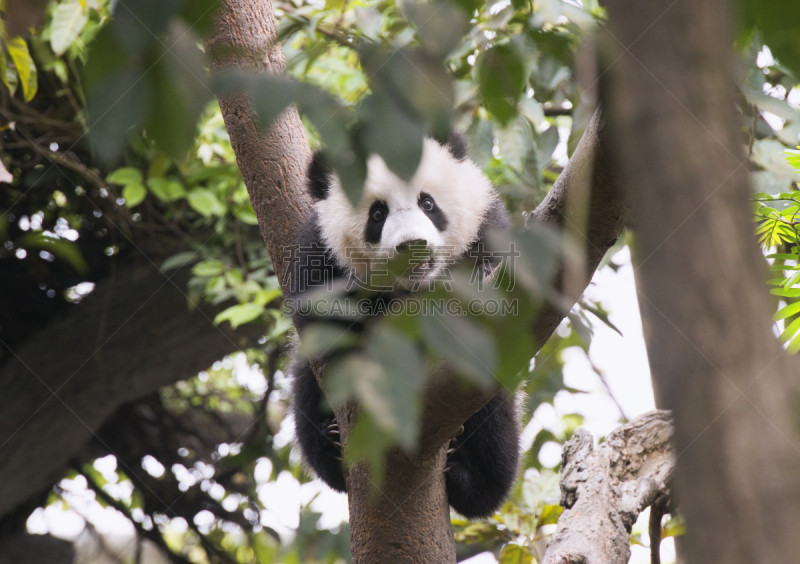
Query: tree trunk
x,y
131,336
714,358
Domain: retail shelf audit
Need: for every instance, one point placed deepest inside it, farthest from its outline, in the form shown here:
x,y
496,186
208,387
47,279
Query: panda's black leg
x,y
317,428
482,462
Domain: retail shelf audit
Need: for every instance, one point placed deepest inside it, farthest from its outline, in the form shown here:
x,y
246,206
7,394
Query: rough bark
x,y
715,361
128,338
273,162
604,489
409,520
36,549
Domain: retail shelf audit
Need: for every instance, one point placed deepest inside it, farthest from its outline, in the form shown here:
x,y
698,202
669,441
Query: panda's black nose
x,y
405,245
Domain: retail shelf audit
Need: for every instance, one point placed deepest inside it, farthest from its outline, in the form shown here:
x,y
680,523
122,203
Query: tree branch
x,y
63,383
604,489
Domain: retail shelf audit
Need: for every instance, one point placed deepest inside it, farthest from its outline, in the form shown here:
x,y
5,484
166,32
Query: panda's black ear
x,y
319,176
458,145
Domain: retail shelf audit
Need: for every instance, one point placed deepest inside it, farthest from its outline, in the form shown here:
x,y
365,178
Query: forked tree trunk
x,y
409,520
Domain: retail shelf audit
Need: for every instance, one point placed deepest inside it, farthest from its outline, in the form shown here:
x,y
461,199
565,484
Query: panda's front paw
x,y
332,432
452,447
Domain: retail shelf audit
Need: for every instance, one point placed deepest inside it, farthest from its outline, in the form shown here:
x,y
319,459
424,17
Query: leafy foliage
x,y
158,184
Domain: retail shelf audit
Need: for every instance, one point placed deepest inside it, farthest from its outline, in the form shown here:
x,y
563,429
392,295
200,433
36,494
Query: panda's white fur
x,y
458,187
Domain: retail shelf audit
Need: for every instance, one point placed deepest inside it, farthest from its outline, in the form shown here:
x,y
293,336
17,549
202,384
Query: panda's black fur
x,y
483,460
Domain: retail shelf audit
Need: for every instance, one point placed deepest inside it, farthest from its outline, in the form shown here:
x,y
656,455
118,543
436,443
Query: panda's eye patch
x,y
378,212
426,203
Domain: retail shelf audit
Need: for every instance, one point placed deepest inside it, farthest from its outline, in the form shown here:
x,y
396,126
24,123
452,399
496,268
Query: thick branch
x,y
714,359
132,335
604,489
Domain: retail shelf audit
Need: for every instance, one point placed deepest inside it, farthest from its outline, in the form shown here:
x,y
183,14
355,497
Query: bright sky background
x,y
622,359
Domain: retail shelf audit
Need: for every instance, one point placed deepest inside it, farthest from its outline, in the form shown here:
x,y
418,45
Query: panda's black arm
x,y
496,219
317,432
483,465
313,268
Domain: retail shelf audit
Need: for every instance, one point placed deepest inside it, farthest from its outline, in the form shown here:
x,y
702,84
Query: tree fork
x,y
409,520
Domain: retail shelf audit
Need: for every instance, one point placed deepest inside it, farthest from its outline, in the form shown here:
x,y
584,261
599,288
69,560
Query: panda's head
x,y
442,208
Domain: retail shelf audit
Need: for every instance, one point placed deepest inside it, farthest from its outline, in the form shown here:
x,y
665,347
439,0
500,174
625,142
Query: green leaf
x,y
790,330
440,24
69,19
199,15
321,339
271,94
788,311
8,74
240,314
549,515
116,106
515,554
205,202
392,134
139,25
501,77
420,83
675,527
786,293
208,268
166,190
26,69
794,346
179,261
387,381
134,194
180,84
125,175
62,248
465,344
369,442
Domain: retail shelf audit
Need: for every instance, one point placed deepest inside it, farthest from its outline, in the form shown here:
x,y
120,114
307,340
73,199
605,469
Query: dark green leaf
x,y
466,345
501,77
117,106
440,24
134,194
138,24
515,554
62,248
392,134
240,314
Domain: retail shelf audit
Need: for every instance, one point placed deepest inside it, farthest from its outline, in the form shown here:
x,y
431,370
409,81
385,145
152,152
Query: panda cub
x,y
448,204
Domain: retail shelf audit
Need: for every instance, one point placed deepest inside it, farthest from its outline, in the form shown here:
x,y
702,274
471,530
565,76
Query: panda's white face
x,y
442,208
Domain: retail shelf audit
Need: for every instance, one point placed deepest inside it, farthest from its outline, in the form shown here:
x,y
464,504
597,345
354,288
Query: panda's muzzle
x,y
406,246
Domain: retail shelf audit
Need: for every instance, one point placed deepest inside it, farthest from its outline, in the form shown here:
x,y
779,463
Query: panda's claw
x,y
333,426
451,450
460,431
337,443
